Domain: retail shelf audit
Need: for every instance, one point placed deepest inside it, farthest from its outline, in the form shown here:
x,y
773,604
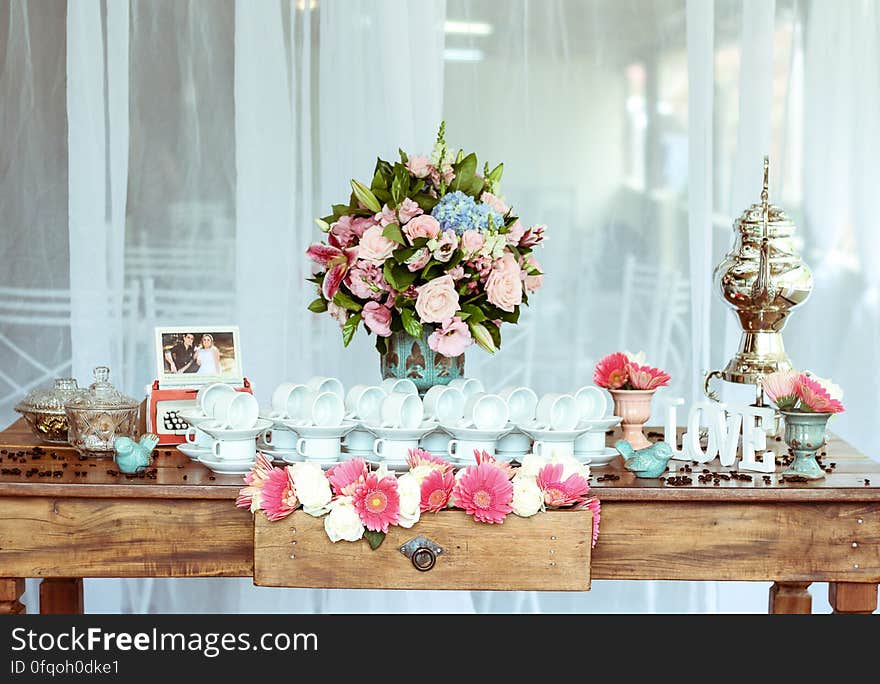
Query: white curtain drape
x,y
177,151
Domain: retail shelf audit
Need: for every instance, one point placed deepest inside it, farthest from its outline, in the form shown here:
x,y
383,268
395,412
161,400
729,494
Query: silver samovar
x,y
762,278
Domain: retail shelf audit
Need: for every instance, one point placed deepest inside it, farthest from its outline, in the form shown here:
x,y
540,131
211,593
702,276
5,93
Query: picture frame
x,y
183,356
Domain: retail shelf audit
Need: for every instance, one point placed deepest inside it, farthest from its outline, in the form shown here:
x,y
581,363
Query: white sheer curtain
x,y
183,147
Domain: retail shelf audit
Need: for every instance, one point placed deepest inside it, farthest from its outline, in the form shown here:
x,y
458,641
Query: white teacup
x,y
286,399
236,410
393,449
321,383
591,402
542,448
462,450
514,443
467,386
234,449
444,404
359,440
435,442
557,412
522,402
324,410
486,411
590,442
207,396
399,385
318,448
402,411
198,437
280,439
364,402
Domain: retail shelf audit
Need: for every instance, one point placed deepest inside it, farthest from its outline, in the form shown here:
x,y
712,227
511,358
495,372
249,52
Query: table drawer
x,y
549,551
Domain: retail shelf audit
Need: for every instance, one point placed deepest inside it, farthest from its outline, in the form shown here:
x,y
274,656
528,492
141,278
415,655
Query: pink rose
x,y
418,260
365,280
422,226
437,300
456,273
451,338
377,318
419,166
386,216
471,242
408,210
446,245
495,202
375,247
517,230
532,283
504,288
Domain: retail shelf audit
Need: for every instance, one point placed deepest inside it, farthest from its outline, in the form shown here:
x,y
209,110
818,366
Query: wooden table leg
x,y
852,597
787,598
11,589
61,596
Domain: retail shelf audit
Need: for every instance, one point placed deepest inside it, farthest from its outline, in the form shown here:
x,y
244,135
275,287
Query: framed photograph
x,y
198,355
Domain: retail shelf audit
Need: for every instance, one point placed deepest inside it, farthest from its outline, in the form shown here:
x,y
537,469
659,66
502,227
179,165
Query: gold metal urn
x,y
762,278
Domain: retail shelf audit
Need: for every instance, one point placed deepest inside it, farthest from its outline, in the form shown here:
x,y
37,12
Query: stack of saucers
x,y
397,428
590,446
554,428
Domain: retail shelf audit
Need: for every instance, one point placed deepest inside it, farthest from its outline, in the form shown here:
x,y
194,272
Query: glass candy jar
x,y
101,415
43,409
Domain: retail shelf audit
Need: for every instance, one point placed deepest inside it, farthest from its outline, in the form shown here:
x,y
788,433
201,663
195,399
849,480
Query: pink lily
x,y
336,260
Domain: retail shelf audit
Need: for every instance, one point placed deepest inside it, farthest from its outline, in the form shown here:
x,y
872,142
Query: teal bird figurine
x,y
133,456
649,462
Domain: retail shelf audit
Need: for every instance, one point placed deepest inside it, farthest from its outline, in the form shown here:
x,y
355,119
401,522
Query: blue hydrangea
x,y
461,212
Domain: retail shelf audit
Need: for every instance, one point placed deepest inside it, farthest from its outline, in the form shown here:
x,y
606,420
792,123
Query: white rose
x,y
343,521
834,391
375,247
531,465
570,466
437,300
312,488
638,358
410,492
420,472
528,498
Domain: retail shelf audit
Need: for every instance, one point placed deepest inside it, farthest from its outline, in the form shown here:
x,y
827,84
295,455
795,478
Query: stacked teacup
x,y
555,425
363,404
401,424
485,419
522,402
590,446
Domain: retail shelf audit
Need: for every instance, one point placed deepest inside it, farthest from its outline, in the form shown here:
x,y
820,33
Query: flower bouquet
x,y
429,250
632,384
357,502
806,402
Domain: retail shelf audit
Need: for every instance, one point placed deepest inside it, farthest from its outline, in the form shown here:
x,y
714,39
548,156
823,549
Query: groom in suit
x,y
181,357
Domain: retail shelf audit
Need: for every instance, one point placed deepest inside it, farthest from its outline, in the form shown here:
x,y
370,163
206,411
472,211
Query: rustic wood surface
x,y
846,597
788,598
11,589
548,552
61,596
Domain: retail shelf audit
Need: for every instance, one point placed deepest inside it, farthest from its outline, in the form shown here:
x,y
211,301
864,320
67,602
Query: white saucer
x,y
552,435
332,431
402,433
194,417
224,433
475,435
226,467
193,451
396,466
290,457
600,424
597,459
366,454
272,450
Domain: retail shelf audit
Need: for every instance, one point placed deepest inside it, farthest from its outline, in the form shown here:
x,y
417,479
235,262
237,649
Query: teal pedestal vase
x,y
805,435
412,358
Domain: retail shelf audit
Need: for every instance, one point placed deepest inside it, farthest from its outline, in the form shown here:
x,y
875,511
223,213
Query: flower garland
x,y
358,502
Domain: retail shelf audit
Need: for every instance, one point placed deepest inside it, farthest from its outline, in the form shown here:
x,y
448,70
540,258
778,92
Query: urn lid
x,y
50,399
754,215
102,395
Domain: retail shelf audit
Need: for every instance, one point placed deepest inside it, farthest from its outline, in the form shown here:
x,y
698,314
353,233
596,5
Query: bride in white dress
x,y
208,357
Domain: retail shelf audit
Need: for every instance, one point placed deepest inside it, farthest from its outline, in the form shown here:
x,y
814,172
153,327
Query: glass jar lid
x,y
102,395
51,399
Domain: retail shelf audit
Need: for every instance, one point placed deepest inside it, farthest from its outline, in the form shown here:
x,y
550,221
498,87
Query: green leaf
x,y
475,314
396,191
495,332
403,276
392,232
403,157
346,302
474,187
318,305
411,323
374,539
349,328
464,172
388,273
379,182
482,336
383,196
418,243
404,253
323,225
340,210
365,196
426,202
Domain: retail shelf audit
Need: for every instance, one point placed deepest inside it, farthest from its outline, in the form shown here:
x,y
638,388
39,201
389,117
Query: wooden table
x,y
63,518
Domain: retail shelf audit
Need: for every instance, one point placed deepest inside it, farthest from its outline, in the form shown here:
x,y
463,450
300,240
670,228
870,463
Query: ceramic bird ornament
x,y
133,456
649,462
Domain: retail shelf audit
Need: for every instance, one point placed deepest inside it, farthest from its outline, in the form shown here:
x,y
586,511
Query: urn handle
x,y
706,381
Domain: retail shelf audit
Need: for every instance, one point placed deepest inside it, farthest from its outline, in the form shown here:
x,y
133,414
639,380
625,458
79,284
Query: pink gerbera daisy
x,y
437,490
484,457
345,477
377,502
278,497
559,492
647,378
420,457
612,371
484,492
815,397
781,388
596,507
249,495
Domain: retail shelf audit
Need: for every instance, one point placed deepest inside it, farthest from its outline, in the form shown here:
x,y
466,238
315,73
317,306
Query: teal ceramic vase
x,y
410,357
805,435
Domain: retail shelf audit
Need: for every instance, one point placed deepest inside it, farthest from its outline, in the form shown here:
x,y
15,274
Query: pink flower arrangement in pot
x,y
632,384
